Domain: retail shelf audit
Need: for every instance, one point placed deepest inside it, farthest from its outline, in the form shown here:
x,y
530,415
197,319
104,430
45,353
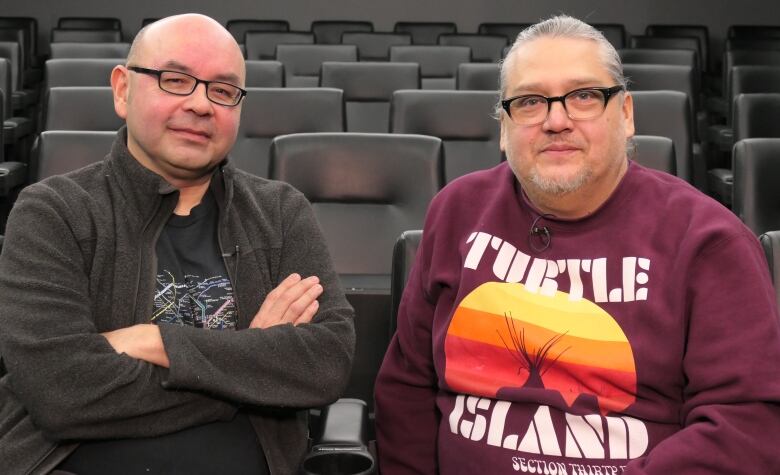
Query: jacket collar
x,y
142,189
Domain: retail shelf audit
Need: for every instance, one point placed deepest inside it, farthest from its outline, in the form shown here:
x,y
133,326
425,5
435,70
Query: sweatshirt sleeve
x,y
68,377
282,366
731,412
407,420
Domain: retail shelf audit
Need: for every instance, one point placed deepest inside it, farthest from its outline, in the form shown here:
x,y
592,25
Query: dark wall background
x,y
467,14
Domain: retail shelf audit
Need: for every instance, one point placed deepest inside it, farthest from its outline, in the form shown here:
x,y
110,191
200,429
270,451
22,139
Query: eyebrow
x,y
228,77
535,87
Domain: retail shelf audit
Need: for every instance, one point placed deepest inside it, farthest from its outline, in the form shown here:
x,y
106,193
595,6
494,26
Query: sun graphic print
x,y
503,339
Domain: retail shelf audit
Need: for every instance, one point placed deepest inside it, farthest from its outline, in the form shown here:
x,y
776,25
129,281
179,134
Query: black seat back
x,y
463,120
667,114
478,77
264,73
80,72
615,33
239,27
262,44
425,33
62,151
756,116
329,31
89,23
368,88
365,190
404,255
89,50
756,195
484,48
438,64
655,77
670,42
375,46
302,63
698,31
509,30
655,152
60,35
268,112
81,108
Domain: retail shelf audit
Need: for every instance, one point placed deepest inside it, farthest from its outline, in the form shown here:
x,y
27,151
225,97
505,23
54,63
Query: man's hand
x,y
142,342
293,301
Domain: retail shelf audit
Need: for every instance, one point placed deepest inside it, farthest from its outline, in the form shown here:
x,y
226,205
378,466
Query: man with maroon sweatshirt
x,y
571,312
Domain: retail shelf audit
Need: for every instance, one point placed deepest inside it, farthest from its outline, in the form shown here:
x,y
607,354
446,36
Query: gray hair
x,y
564,26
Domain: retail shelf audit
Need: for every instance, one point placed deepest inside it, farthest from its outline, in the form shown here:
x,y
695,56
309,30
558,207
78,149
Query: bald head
x,y
201,30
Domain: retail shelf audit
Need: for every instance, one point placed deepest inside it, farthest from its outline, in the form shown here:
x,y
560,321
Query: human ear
x,y
628,114
120,86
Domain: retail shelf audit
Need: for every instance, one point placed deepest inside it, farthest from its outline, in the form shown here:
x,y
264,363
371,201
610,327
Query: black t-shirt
x,y
193,288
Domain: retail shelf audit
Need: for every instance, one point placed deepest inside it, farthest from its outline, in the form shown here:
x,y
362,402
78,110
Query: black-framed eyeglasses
x,y
580,104
183,84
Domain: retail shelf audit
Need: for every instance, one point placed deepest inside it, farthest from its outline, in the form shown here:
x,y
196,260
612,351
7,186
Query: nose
x,y
198,102
557,118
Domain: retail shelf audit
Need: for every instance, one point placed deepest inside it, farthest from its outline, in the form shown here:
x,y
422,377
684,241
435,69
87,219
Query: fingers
x,y
308,314
294,301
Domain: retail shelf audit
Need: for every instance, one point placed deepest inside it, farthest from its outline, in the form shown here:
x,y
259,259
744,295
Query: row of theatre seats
x,y
368,88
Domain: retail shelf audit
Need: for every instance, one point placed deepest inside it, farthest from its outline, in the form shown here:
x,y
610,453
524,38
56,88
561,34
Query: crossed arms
x,y
78,382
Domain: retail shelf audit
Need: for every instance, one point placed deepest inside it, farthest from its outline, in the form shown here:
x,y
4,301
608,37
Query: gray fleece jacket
x,y
79,259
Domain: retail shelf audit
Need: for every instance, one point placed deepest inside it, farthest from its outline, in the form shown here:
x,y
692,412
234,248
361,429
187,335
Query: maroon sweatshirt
x,y
643,339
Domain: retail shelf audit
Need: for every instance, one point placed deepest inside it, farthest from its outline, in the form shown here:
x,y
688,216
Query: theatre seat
x,y
655,152
262,44
478,77
15,128
375,46
404,255
89,50
59,35
302,63
615,33
438,64
756,198
81,108
667,114
330,31
268,112
670,42
365,190
425,33
89,23
656,77
62,151
463,120
484,48
697,31
368,89
509,30
239,27
264,73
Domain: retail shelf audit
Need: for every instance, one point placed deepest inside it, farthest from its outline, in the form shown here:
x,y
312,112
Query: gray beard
x,y
557,186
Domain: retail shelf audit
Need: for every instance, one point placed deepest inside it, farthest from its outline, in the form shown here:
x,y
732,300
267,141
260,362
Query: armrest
x,y
12,175
341,448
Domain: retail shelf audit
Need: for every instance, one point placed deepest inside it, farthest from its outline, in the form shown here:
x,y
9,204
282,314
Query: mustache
x,y
560,144
192,127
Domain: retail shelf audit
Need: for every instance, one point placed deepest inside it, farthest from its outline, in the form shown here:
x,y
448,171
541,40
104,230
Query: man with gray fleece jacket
x,y
162,311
